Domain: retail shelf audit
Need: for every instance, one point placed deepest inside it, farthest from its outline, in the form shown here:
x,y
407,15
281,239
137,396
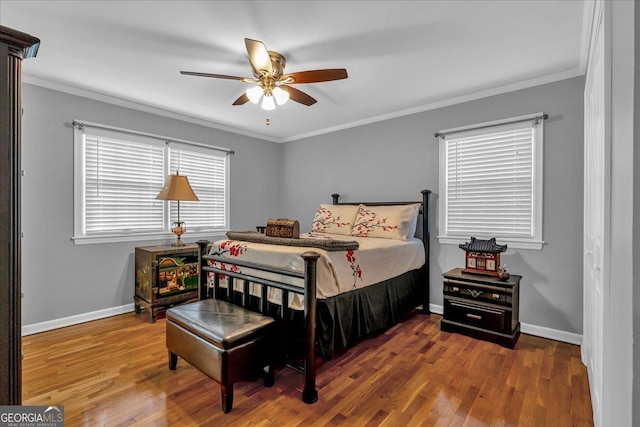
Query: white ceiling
x,y
402,56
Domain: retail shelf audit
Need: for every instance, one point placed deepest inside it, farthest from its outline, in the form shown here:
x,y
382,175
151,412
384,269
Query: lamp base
x,y
178,228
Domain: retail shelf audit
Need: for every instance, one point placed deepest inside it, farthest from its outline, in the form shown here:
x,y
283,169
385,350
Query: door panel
x,y
596,217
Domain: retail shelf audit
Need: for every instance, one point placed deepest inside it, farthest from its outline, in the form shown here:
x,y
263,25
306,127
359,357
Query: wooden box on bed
x,y
283,227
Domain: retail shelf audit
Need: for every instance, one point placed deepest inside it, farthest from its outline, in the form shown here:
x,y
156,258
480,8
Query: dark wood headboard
x,y
425,211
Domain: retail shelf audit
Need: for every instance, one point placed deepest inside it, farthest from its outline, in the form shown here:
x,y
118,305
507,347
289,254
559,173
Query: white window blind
x,y
122,178
207,173
118,174
491,181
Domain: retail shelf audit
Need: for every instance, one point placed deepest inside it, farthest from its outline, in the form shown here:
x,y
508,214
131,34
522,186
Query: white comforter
x,y
337,271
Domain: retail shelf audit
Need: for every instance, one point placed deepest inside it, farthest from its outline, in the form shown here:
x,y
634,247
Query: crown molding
x,y
446,103
135,105
401,113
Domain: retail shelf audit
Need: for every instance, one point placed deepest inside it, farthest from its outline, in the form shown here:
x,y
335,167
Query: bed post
x,y
310,394
203,290
426,240
335,197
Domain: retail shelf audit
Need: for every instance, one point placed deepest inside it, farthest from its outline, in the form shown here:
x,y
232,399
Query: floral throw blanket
x,y
337,271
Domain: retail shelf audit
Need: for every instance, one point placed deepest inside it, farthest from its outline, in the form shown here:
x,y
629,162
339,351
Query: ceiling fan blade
x,y
242,100
217,76
315,76
259,57
298,95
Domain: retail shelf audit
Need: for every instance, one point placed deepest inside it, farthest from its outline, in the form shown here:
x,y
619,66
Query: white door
x,y
596,210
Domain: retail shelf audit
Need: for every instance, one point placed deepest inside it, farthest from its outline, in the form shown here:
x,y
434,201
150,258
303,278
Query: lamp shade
x,y
177,187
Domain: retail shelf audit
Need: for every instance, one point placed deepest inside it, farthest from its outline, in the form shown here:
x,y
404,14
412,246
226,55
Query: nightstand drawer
x,y
475,315
476,292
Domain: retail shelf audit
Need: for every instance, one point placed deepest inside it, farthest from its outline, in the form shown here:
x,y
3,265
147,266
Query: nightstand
x,y
165,276
483,307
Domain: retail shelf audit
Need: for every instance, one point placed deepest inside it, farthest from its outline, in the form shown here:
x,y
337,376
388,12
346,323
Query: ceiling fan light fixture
x,y
254,94
281,96
267,103
271,83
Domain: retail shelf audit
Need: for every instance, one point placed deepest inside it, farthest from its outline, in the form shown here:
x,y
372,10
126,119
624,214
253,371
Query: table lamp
x,y
177,188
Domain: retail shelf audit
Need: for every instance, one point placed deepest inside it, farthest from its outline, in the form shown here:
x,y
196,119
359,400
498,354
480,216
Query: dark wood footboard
x,y
309,393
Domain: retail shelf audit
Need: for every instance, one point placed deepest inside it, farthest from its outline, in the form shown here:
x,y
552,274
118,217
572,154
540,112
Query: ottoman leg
x,y
227,397
173,360
269,377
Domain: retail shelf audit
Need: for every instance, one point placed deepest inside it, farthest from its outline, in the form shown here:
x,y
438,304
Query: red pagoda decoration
x,y
482,256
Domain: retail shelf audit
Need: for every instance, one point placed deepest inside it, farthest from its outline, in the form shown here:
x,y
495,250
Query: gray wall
x,y
388,160
60,279
395,159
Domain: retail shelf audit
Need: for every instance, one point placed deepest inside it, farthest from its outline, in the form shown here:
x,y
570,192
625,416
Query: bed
x,y
335,293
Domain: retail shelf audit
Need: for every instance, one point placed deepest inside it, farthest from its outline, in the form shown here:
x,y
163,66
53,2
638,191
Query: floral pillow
x,y
388,222
335,219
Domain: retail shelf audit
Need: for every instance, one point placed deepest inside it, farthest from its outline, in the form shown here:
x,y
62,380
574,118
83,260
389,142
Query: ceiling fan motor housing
x,y
278,63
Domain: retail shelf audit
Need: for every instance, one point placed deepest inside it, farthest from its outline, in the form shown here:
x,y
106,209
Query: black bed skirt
x,y
344,319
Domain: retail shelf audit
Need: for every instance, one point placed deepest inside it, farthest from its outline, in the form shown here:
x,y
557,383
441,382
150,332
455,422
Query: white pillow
x,y
335,219
388,222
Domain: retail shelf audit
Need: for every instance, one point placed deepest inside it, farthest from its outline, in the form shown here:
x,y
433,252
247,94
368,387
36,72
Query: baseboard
x,y
554,334
437,309
539,331
74,320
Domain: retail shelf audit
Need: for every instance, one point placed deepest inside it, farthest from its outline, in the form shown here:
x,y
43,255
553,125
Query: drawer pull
x,y
476,308
475,293
474,316
496,296
455,289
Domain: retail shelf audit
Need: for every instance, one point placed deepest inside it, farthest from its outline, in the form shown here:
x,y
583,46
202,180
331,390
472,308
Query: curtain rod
x,y
535,117
79,124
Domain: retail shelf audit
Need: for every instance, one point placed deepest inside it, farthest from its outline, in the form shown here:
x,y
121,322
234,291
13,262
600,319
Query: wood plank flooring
x,y
113,372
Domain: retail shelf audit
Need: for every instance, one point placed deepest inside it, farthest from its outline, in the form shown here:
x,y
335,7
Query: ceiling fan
x,y
272,83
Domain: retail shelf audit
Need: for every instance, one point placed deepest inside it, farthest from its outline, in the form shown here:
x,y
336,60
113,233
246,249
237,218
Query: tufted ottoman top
x,y
221,323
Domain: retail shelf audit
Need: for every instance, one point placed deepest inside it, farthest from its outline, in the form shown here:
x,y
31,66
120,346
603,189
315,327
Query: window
x,y
119,173
491,182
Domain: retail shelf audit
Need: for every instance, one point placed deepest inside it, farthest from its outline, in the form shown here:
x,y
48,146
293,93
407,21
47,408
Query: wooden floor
x,y
113,372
